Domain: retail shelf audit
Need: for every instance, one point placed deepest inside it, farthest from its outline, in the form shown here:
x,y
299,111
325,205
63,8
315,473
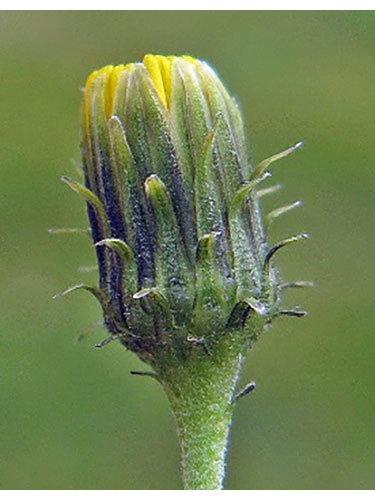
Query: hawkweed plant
x,y
186,276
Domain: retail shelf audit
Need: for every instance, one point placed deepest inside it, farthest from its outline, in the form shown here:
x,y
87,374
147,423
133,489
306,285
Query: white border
x,y
191,5
171,494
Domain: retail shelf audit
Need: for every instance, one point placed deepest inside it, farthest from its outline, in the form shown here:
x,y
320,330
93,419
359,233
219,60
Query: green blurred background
x,y
72,416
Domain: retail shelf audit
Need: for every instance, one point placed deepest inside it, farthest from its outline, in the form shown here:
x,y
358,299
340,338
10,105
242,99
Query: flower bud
x,y
173,207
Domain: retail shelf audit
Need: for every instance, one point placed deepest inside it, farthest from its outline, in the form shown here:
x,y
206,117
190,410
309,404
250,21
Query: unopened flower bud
x,y
186,279
173,206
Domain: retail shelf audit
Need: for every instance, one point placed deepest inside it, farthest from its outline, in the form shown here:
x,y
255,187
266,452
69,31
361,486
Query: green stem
x,y
200,392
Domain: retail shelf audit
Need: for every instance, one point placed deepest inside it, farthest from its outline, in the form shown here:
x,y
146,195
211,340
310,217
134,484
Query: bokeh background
x,y
72,416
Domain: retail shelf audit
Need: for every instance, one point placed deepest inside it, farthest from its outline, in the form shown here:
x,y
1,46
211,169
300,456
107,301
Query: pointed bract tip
x,y
294,313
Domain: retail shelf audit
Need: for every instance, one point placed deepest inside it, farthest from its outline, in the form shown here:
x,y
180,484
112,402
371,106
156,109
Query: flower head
x,y
173,207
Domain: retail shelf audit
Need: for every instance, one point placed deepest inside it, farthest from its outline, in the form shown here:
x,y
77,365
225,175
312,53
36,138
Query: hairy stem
x,y
200,392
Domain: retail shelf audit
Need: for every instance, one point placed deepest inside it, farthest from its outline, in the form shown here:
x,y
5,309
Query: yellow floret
x,y
88,90
112,75
160,70
190,59
153,66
